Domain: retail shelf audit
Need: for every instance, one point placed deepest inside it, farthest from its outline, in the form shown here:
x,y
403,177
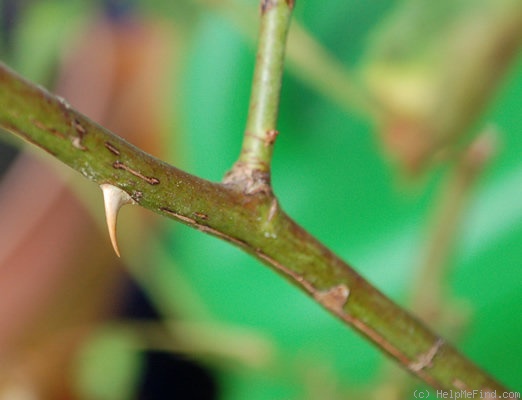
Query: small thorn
x,y
114,199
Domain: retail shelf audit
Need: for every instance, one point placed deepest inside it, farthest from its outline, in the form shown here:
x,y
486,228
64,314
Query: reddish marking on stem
x,y
77,141
200,215
267,5
179,216
149,179
268,138
290,3
215,232
271,136
79,128
113,149
43,127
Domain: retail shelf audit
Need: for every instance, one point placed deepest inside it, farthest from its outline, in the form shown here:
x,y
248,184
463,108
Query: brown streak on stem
x,y
75,123
375,337
149,179
179,216
268,139
205,228
286,271
200,215
79,128
43,127
215,232
113,149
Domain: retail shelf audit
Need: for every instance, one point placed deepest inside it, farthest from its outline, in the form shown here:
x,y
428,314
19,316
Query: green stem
x,y
252,170
254,223
308,60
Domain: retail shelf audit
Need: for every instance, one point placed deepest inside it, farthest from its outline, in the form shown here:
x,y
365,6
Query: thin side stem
x,y
252,170
308,60
256,224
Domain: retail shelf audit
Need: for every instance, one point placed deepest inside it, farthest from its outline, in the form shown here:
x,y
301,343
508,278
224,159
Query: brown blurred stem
x,y
252,221
428,296
429,300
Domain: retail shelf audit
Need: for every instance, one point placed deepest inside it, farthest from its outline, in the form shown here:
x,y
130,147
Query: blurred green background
x,y
333,176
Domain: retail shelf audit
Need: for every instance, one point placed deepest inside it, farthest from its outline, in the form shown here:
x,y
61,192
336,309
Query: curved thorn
x,y
114,198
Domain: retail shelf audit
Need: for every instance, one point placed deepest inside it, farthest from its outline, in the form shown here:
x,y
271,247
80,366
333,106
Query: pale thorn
x,y
114,198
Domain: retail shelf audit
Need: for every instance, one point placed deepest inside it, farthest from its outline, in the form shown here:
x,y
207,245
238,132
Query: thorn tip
x,y
114,198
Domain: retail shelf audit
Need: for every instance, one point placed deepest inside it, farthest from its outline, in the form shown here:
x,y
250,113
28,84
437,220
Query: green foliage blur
x,y
333,175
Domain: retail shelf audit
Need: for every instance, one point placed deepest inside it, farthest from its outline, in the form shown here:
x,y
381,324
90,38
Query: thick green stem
x,y
254,223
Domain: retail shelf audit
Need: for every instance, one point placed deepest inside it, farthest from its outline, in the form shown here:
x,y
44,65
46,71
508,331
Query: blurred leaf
x,y
434,67
43,31
109,367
